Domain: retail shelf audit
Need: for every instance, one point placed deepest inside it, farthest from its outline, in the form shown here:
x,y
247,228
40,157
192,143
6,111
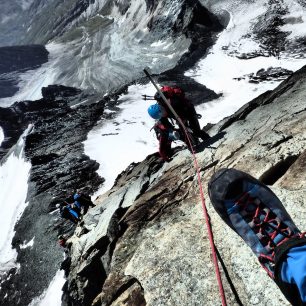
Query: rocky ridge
x,y
59,166
147,243
269,74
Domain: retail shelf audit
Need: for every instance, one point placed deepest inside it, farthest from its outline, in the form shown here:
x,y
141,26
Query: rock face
x,y
22,58
147,242
59,167
270,74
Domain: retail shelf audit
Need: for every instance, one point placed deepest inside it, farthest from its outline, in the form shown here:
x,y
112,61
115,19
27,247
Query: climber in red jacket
x,y
165,133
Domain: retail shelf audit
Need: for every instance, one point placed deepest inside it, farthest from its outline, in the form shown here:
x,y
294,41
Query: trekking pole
x,y
147,97
205,212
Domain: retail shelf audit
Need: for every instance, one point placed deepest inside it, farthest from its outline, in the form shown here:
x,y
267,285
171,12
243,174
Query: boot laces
x,y
270,230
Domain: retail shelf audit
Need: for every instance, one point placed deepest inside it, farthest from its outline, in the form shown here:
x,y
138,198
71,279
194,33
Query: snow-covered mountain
x,y
103,44
223,53
100,45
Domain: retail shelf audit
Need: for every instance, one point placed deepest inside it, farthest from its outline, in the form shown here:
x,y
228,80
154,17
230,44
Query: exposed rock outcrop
x,y
147,243
270,74
273,36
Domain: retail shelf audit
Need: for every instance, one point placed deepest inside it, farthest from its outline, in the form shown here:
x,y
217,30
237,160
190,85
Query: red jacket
x,y
162,129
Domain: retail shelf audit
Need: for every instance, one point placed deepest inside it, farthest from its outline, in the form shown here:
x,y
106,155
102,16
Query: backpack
x,y
171,92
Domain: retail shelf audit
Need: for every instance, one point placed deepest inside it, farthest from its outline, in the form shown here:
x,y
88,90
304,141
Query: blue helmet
x,y
155,111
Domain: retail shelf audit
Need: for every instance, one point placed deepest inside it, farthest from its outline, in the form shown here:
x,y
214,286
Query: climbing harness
x,y
206,216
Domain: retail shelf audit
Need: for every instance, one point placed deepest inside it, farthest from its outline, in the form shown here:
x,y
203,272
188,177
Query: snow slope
x,y
14,174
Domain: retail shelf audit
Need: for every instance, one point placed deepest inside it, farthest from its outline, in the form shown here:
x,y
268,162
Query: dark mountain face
x,y
59,167
17,59
21,58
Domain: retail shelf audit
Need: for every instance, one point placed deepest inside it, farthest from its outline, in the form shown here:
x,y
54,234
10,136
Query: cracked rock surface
x,y
147,241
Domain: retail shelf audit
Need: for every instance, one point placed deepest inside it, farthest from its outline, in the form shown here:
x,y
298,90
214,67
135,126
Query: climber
x,y
67,211
62,241
82,201
183,107
253,211
165,133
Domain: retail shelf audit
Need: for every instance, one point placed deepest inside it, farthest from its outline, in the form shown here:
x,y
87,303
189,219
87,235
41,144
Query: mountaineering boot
x,y
253,211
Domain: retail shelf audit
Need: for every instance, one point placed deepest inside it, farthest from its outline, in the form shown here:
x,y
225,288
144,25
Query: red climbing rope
x,y
206,216
208,225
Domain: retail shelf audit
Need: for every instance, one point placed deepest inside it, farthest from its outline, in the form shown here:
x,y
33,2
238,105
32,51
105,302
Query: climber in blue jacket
x,y
68,212
82,202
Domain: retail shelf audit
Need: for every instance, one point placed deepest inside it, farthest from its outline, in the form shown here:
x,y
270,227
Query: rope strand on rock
x,y
207,220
